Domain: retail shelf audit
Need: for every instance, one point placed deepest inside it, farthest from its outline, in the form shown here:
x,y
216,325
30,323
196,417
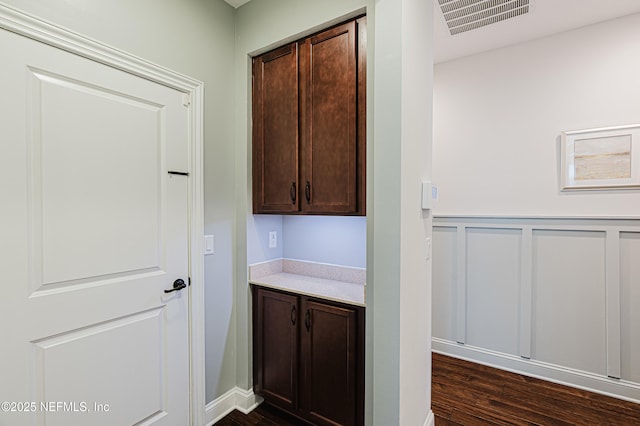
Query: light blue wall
x,y
258,233
339,240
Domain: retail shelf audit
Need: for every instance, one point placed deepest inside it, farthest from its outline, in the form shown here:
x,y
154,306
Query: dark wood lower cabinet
x,y
277,359
309,356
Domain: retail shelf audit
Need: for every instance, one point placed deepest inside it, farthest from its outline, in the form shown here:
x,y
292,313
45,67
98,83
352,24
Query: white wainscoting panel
x,y
630,301
569,299
444,256
492,299
557,296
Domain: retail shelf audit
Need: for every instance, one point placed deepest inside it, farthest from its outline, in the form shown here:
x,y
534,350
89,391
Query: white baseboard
x,y
246,400
554,373
431,420
235,399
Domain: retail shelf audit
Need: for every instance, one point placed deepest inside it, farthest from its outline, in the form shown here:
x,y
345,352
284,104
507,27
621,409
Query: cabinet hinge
x,y
186,99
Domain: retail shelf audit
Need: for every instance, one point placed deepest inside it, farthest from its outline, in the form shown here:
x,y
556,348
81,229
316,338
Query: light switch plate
x,y
428,248
208,245
273,239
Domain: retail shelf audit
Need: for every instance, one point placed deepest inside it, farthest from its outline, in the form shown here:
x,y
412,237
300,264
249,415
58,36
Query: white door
x,y
93,230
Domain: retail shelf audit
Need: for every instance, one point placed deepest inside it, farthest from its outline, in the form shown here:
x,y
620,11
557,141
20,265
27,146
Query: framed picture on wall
x,y
606,158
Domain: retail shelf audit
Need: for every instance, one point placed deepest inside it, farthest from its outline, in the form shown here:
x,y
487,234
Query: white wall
x,y
548,297
414,151
499,115
196,38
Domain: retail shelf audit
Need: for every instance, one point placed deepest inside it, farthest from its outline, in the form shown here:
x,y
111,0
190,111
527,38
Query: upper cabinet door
x,y
275,131
328,98
309,123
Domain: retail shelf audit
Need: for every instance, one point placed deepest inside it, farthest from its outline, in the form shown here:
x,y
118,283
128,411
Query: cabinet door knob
x,y
292,192
307,192
293,314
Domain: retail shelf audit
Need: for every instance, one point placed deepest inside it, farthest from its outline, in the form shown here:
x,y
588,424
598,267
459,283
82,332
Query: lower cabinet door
x,y
276,347
330,351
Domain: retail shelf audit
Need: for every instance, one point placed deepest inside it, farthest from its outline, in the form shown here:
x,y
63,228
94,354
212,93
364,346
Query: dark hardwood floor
x,y
263,415
465,393
469,394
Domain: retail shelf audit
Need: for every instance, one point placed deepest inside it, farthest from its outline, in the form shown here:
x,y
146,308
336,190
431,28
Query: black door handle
x,y
292,192
307,192
177,286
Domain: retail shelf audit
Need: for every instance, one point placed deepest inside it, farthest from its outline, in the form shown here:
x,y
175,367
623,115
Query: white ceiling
x,y
237,3
546,17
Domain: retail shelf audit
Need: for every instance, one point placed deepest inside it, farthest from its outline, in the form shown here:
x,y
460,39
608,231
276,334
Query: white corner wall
x,y
398,272
527,277
499,115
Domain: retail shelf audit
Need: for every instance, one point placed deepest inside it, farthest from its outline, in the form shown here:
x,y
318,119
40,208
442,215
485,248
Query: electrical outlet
x,y
273,239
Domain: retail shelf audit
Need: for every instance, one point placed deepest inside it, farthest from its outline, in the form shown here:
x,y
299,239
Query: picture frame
x,y
601,159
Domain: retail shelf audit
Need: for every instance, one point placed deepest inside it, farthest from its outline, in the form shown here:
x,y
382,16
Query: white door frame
x,y
18,22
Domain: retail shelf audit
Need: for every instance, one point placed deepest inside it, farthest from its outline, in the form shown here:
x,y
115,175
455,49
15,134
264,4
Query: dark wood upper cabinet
x,y
275,131
309,124
328,120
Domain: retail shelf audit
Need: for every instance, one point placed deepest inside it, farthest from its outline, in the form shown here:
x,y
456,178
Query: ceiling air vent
x,y
467,15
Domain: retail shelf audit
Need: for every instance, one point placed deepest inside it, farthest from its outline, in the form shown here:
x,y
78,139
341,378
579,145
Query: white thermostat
x,y
429,195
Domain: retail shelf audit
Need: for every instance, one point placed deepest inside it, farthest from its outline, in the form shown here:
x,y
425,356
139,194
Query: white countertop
x,y
276,275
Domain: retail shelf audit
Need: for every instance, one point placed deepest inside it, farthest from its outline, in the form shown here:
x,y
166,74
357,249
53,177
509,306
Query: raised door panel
x,y
329,340
275,131
276,347
95,232
328,93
